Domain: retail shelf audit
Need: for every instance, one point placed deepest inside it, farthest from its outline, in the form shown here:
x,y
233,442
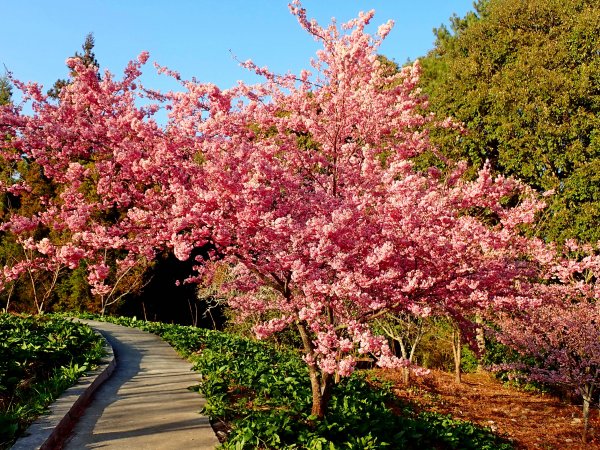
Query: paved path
x,y
146,403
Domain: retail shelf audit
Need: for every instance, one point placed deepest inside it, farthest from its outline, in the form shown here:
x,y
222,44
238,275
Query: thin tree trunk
x,y
405,370
34,290
9,296
480,339
586,416
193,318
456,350
587,397
212,319
406,375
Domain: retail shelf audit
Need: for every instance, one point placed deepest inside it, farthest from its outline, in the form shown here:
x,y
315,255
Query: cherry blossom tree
x,y
93,146
563,335
303,184
308,190
564,342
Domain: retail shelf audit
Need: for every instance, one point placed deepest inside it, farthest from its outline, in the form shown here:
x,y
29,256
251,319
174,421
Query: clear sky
x,y
197,37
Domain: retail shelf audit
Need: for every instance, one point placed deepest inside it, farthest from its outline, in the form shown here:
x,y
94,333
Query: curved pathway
x,y
146,403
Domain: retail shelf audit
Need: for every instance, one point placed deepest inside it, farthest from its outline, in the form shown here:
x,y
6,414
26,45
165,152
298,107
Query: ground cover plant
x,y
39,358
261,395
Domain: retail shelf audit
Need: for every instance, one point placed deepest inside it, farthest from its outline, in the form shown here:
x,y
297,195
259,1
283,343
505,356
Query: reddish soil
x,y
532,421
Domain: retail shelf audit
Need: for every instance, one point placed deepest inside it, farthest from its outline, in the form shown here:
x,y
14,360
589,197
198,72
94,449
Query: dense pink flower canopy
x,y
564,339
303,184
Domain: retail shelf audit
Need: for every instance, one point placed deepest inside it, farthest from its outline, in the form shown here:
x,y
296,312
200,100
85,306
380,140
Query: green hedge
x,y
40,357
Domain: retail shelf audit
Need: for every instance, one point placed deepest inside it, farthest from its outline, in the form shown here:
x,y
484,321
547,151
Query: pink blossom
x,y
181,247
302,184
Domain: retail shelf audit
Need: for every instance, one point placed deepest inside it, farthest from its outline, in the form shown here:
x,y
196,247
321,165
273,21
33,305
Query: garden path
x,y
146,403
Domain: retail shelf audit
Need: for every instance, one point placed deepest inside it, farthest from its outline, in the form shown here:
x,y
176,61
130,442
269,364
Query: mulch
x,y
531,420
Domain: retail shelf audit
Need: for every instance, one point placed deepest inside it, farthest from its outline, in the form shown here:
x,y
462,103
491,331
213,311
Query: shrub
x,y
39,358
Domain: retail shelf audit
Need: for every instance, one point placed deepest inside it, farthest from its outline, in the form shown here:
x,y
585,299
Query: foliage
x,y
304,185
5,90
426,342
469,362
523,77
435,348
560,337
39,358
264,396
42,281
274,179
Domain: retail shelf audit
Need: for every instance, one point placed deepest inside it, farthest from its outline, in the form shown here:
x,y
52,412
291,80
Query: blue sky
x,y
196,37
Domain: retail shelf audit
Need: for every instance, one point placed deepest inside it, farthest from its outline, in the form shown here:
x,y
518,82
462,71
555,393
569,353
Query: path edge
x,y
50,430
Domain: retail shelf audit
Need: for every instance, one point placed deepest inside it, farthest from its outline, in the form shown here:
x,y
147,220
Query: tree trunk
x,y
456,350
404,353
35,296
587,397
10,292
406,375
321,383
480,339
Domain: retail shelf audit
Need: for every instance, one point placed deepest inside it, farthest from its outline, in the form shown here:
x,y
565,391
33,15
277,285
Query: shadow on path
x,y
146,403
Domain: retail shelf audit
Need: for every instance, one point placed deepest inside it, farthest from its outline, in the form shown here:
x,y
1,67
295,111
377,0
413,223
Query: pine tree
x,y
5,90
88,58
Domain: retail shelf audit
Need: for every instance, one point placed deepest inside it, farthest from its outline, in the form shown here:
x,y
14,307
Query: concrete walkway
x,y
146,403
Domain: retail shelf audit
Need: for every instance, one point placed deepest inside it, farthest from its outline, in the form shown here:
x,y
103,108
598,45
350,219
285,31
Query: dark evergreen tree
x,y
523,76
89,59
5,91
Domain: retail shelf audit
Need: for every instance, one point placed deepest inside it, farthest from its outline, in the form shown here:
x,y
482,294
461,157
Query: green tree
x,y
523,77
5,90
89,59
